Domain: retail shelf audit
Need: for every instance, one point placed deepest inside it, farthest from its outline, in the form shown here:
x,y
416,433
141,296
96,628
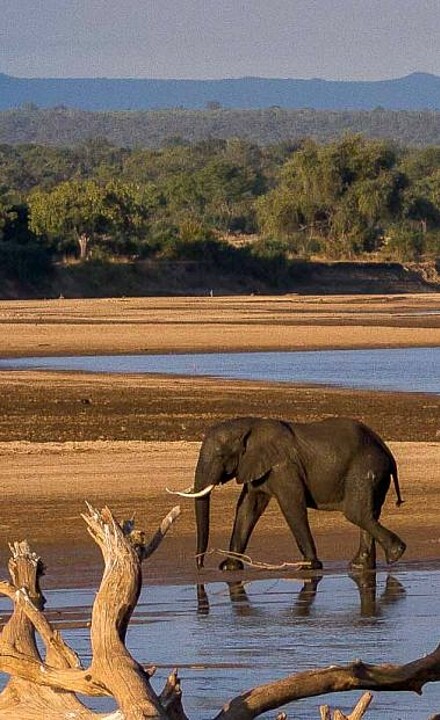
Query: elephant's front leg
x,y
250,507
289,491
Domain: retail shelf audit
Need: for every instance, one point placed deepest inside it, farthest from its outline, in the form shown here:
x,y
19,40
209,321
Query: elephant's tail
x,y
395,476
393,471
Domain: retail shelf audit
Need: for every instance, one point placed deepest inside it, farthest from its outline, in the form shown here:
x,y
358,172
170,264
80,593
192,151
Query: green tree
x,y
70,214
112,216
341,194
127,211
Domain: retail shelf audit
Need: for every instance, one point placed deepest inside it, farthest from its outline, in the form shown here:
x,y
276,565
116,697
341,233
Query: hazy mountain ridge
x,y
417,91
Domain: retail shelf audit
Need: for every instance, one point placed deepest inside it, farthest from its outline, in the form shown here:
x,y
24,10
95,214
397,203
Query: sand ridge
x,y
139,325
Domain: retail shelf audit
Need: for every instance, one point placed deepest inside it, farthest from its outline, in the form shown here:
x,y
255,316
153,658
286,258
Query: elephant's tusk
x,y
190,493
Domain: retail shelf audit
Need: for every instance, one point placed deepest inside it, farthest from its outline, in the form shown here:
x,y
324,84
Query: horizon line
x,y
220,79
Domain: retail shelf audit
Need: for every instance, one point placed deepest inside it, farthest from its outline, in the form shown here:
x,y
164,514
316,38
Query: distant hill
x,y
156,128
418,91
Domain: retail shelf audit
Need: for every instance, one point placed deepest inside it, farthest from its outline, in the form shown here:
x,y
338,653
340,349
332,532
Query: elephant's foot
x,y
363,561
313,564
395,552
231,564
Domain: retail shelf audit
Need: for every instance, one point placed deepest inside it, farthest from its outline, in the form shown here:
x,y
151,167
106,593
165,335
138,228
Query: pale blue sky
x,y
332,39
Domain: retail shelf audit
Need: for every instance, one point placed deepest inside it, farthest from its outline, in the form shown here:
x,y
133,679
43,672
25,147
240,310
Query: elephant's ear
x,y
267,444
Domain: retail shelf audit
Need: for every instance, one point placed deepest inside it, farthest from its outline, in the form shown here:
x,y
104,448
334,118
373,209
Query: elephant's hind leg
x,y
392,545
250,507
362,507
365,558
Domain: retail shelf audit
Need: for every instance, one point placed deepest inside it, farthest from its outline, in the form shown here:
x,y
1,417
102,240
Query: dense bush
x,y
347,199
25,263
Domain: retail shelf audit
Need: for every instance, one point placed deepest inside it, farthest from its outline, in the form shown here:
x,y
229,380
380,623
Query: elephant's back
x,y
331,449
337,433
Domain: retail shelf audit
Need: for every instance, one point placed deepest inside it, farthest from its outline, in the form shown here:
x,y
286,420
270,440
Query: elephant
x,y
332,464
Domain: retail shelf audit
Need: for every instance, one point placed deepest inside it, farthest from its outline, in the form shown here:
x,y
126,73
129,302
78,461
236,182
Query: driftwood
x,y
47,687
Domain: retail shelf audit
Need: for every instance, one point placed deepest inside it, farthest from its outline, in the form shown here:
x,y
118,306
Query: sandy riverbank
x,y
290,322
55,479
121,440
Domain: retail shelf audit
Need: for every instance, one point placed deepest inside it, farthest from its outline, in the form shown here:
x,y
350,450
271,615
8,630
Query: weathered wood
x,y
357,713
59,676
113,666
19,655
46,687
336,678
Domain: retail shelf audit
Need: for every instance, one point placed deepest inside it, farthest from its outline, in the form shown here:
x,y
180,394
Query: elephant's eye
x,y
230,465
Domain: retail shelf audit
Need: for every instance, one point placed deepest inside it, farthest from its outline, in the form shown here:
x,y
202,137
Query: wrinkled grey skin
x,y
335,464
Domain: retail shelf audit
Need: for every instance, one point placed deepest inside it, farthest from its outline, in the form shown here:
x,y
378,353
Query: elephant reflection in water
x,y
335,464
370,604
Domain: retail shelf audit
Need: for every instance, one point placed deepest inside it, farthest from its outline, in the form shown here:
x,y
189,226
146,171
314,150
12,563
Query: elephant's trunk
x,y
202,521
208,474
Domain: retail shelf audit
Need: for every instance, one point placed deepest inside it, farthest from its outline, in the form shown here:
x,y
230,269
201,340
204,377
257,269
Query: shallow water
x,y
226,638
403,369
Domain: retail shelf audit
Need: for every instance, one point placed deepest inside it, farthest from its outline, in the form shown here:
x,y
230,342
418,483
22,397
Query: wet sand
x,y
120,440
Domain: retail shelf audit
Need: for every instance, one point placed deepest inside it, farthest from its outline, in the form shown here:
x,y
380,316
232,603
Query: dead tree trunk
x,y
46,687
19,699
83,242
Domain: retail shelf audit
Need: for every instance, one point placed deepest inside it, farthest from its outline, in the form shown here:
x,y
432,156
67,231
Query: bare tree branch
x,y
356,676
113,670
19,655
358,711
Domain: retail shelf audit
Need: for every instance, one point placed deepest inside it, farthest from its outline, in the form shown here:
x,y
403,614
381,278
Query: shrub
x,y
405,243
26,263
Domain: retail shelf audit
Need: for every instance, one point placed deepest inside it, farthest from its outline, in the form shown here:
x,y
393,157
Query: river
x,y
401,369
228,637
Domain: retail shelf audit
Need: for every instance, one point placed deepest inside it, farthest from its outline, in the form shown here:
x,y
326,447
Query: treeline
x,y
231,203
64,126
